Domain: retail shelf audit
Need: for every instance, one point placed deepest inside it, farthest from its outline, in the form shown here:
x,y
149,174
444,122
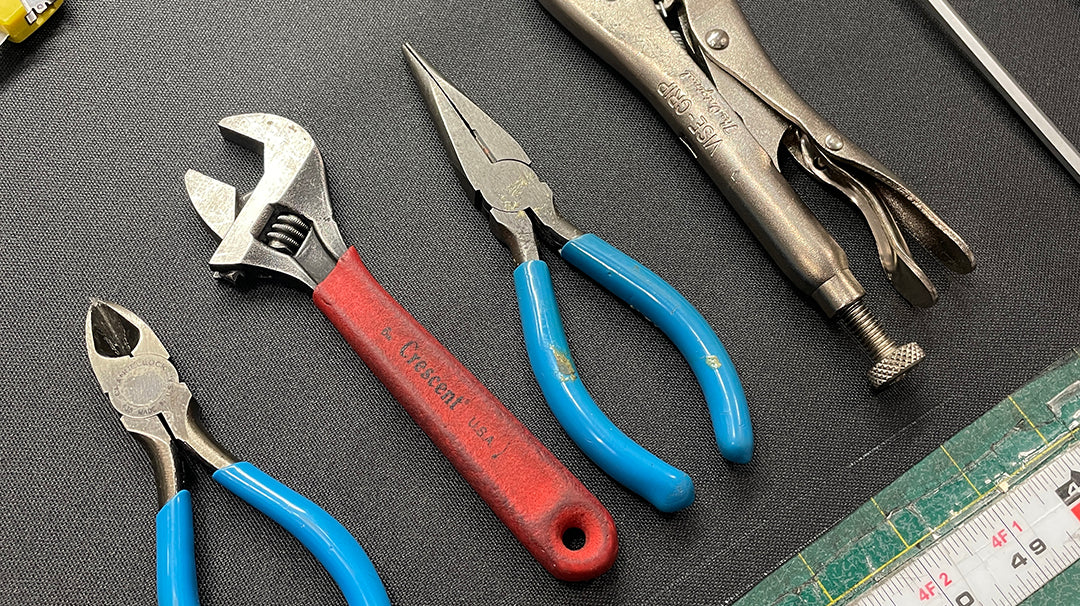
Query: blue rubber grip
x,y
323,536
667,488
683,324
176,553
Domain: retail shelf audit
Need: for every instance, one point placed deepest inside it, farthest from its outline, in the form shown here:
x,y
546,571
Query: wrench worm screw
x,y
891,361
287,233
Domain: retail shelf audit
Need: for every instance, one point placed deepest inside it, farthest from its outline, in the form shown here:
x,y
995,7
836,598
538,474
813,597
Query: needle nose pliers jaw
x,y
133,368
496,175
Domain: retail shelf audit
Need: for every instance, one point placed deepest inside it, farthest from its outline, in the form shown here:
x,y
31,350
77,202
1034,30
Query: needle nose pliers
x,y
133,368
496,176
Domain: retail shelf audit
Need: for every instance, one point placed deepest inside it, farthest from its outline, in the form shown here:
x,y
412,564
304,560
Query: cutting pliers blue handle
x,y
667,488
176,553
319,532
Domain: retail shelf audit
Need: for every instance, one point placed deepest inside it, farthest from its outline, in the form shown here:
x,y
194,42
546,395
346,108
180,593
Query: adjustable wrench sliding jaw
x,y
285,226
718,90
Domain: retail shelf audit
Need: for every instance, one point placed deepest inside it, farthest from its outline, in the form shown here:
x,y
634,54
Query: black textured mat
x,y
103,110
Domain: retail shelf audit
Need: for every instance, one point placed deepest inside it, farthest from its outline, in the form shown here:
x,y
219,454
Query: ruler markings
x,y
1011,527
924,516
1023,467
1001,555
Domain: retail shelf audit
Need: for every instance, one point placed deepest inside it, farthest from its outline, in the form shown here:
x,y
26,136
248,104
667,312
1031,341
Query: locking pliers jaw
x,y
285,225
722,42
700,65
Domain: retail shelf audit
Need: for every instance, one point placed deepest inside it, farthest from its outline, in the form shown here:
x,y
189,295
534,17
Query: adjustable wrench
x,y
284,226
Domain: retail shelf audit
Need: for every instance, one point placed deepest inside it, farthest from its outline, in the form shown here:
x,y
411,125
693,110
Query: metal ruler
x,y
990,518
1002,555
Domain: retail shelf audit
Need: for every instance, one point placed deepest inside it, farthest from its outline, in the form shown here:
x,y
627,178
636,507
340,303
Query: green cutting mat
x,y
1002,447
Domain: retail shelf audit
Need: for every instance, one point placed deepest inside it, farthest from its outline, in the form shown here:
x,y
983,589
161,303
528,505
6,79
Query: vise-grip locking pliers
x,y
133,368
718,90
496,175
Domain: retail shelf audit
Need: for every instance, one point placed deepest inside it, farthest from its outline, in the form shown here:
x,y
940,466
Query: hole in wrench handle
x,y
530,491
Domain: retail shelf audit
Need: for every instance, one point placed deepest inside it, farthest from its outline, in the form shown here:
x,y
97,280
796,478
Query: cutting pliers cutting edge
x,y
133,368
496,176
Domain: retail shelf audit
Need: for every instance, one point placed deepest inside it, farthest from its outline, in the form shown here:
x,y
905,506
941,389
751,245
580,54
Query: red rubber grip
x,y
533,494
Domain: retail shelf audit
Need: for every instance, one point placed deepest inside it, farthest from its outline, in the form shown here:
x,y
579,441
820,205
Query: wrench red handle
x,y
533,494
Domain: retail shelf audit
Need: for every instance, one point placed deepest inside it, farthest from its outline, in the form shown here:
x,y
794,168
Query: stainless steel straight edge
x,y
998,76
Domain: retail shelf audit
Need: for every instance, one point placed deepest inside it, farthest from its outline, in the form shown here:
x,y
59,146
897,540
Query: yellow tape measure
x,y
20,18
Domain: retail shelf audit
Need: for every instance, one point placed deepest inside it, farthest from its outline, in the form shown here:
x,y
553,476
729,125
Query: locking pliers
x,y
700,65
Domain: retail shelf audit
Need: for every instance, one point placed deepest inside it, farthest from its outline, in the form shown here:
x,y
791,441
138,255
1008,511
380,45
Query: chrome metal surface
x,y
493,169
734,111
886,197
285,225
893,252
1000,78
633,37
891,361
133,368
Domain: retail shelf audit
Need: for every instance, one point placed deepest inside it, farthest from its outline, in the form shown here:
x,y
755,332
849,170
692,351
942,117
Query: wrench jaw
x,y
285,225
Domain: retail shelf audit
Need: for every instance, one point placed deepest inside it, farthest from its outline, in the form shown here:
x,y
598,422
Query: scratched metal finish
x,y
104,109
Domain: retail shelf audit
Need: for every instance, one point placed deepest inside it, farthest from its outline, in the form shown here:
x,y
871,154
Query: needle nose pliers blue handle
x,y
133,367
496,174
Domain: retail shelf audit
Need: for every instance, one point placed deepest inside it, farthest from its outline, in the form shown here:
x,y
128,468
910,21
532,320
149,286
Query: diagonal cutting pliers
x,y
133,368
496,176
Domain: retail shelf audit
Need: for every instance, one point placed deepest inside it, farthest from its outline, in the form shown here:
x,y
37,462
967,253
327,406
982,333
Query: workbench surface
x,y
105,107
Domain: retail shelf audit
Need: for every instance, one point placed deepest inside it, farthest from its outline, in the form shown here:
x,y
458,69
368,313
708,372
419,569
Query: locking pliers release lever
x,y
699,64
722,41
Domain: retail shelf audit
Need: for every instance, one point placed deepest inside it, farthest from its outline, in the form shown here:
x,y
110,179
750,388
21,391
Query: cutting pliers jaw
x,y
133,368
113,337
283,226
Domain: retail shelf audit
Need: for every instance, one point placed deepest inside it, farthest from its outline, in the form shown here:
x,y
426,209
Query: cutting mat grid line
x,y
1008,443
